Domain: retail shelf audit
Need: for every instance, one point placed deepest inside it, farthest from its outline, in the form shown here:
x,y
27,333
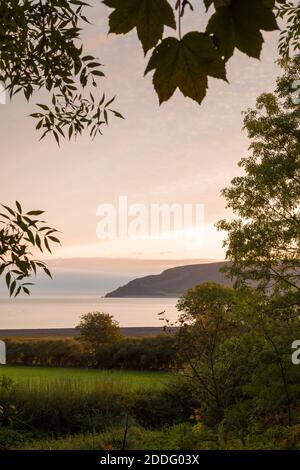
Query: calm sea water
x,y
64,311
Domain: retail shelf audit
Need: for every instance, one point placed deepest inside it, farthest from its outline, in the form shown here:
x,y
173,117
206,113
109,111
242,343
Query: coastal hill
x,y
172,282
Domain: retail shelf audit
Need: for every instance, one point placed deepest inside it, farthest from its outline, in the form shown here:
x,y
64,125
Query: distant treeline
x,y
134,331
151,353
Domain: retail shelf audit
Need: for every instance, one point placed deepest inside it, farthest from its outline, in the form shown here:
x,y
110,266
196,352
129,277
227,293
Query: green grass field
x,y
84,378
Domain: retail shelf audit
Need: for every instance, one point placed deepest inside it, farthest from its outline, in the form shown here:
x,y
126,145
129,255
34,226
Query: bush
x,y
172,405
10,438
153,353
60,353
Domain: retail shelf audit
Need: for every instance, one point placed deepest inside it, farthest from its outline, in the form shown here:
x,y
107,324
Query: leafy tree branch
x,y
20,233
41,48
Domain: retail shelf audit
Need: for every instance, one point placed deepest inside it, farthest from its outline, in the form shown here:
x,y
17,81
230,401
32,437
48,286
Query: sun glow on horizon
x,y
204,243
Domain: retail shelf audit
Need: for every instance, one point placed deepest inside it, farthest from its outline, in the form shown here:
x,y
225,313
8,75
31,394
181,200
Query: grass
x,y
47,402
138,438
88,379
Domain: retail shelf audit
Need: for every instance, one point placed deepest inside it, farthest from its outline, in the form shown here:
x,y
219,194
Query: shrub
x,y
172,405
153,353
61,353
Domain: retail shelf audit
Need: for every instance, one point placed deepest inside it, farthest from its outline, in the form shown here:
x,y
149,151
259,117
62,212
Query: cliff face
x,y
172,282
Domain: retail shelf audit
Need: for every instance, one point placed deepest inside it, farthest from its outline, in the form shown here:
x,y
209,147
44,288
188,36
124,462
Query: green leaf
x,y
9,210
149,17
12,288
35,212
38,242
238,25
117,114
26,290
18,291
46,270
54,239
98,73
43,106
70,132
8,279
185,64
56,137
19,207
33,266
47,245
87,58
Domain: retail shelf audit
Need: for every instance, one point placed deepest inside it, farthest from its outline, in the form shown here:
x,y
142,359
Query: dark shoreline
x,y
64,332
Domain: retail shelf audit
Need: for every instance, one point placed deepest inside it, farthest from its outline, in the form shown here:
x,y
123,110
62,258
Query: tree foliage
x,y
289,42
263,238
98,329
41,48
205,322
238,25
185,62
19,234
149,19
236,349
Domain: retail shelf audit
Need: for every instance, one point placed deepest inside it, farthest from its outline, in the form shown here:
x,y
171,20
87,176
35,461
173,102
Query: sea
x,y
64,311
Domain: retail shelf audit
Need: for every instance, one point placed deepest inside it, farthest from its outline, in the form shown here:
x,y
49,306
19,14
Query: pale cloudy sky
x,y
177,153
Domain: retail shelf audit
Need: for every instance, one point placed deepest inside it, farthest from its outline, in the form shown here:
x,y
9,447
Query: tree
x,y
263,240
98,330
263,248
236,349
205,322
270,325
19,234
41,48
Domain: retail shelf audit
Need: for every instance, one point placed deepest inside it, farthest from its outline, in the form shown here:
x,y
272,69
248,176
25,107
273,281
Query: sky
x,y
179,152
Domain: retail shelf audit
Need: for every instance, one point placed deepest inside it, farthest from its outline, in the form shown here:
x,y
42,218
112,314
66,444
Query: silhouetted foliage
x,y
21,232
41,47
263,239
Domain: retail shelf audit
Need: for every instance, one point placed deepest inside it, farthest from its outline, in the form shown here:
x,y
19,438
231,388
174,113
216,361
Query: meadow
x,y
87,379
37,403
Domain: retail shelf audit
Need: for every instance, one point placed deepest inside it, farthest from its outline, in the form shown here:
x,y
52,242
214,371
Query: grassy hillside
x,y
173,282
